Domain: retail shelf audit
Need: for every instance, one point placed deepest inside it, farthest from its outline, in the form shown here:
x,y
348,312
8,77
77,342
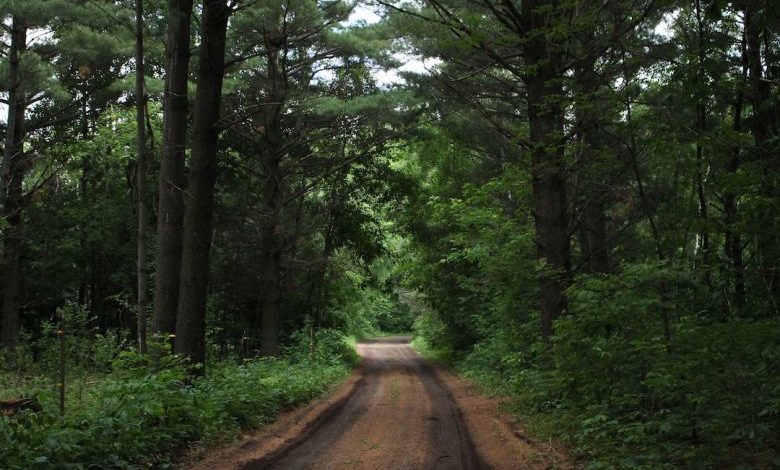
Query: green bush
x,y
147,406
327,346
642,374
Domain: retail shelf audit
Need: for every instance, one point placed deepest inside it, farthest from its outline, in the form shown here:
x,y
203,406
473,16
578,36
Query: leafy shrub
x,y
327,346
643,373
147,406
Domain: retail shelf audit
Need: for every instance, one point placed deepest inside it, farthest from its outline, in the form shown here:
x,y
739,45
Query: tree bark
x,y
701,127
270,257
170,210
198,219
764,130
270,260
140,121
270,251
732,238
545,117
13,171
595,190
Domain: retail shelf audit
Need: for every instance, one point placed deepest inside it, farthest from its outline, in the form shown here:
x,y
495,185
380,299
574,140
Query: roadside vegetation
x,y
127,410
576,203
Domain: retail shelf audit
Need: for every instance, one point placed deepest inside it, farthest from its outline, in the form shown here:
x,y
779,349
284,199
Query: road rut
x,y
398,412
399,417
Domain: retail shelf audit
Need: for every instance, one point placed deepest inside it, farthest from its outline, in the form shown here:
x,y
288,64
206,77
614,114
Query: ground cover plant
x,y
141,409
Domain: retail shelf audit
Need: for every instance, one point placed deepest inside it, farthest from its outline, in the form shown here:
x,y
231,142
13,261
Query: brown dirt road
x,y
396,412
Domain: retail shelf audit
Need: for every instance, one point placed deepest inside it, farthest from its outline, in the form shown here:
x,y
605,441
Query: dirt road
x,y
398,412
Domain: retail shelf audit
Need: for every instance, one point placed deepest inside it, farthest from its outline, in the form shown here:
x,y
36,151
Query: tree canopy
x,y
576,203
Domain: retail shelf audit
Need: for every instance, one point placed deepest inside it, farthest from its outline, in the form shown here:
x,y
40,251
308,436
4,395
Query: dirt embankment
x,y
396,412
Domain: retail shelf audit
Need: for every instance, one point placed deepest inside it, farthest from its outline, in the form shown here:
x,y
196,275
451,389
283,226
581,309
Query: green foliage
x,y
362,301
325,345
87,350
147,406
627,391
653,381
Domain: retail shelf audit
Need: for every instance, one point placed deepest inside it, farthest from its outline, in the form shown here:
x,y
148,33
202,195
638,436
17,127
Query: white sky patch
x,y
411,63
363,13
664,27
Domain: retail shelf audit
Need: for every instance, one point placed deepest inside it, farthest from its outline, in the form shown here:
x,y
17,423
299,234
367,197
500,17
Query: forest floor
x,y
397,411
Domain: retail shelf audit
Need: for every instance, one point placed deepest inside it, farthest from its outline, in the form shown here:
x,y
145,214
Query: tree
x,y
140,122
38,87
199,213
170,211
13,170
765,128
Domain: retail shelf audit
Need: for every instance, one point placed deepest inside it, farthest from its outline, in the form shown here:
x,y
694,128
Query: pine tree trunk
x,y
270,255
594,219
701,127
270,258
270,302
732,238
13,171
84,247
198,219
140,103
764,130
170,210
543,93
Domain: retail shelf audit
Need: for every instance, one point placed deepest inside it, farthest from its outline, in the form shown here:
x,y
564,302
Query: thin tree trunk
x,y
140,103
13,171
549,183
170,210
764,129
594,221
270,302
84,247
198,219
270,259
701,124
733,239
270,256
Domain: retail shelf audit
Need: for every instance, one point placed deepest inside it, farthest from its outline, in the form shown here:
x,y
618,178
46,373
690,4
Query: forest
x,y
574,204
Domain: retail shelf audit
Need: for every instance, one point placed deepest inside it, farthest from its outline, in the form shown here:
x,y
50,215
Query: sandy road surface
x,y
401,417
398,412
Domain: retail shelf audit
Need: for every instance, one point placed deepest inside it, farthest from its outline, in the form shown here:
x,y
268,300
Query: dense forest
x,y
574,203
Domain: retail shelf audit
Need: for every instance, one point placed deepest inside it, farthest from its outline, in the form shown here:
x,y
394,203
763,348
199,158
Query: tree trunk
x,y
270,255
140,105
198,219
269,282
701,127
732,238
764,130
170,210
13,171
549,184
270,258
595,190
84,247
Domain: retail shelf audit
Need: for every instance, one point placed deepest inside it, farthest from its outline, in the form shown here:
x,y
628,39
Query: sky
x,y
384,78
410,63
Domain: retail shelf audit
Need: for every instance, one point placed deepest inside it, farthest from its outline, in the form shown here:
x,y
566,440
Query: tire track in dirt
x,y
396,412
401,417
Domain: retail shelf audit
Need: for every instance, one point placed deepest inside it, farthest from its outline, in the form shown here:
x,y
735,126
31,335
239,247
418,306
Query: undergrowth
x,y
624,391
146,407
